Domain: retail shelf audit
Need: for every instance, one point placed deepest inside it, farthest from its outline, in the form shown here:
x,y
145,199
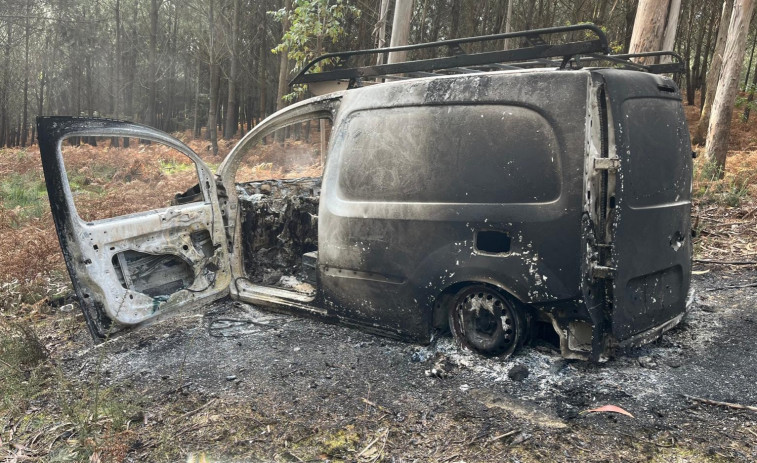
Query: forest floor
x,y
274,387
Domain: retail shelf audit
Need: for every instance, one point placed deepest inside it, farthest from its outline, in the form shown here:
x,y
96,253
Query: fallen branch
x,y
192,412
726,262
722,404
449,458
375,405
720,288
367,447
376,455
502,436
294,456
749,213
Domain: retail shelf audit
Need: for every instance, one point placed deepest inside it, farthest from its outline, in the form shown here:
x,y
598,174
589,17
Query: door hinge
x,y
602,272
611,164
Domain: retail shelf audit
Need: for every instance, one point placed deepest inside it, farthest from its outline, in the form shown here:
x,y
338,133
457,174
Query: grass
x,y
172,166
24,196
730,188
75,420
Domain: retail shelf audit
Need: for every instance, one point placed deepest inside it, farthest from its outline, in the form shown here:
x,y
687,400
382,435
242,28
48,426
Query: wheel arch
x,y
439,318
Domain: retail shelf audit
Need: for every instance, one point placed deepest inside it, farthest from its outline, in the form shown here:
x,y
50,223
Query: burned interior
x,y
280,226
469,202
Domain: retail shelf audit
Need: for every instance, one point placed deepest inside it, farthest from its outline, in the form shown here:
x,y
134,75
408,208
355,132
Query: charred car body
x,y
483,202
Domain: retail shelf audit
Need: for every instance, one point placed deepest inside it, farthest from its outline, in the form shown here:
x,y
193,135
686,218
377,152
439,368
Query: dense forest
x,y
217,66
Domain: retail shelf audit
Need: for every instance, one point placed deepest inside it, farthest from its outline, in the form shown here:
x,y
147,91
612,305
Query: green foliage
x,y
312,24
24,194
172,166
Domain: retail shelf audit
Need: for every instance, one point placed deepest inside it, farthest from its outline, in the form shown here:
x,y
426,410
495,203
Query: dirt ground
x,y
236,383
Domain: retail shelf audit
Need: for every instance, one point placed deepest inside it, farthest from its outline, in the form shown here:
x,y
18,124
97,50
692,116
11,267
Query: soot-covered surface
x,y
315,379
279,225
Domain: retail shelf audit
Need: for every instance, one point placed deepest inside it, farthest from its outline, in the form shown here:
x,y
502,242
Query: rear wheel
x,y
484,319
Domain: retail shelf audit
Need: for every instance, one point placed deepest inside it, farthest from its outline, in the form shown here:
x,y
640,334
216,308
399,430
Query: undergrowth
x,y
730,188
46,413
24,196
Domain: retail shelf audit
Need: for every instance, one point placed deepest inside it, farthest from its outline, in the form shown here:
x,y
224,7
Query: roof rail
x,y
538,49
536,54
672,67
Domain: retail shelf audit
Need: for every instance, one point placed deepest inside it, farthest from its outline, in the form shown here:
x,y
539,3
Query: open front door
x,y
272,204
134,267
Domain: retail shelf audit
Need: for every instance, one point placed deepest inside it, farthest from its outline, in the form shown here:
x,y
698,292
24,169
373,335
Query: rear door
x,y
134,267
651,204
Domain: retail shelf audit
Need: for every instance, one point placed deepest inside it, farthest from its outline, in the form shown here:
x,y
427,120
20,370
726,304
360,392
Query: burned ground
x,y
237,383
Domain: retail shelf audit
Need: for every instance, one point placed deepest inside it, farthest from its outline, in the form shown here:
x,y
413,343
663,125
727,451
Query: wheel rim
x,y
486,321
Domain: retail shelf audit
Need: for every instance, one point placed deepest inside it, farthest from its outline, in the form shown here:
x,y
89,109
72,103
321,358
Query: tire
x,y
487,321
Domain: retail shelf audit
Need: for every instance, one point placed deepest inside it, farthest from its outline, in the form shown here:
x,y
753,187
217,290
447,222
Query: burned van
x,y
486,203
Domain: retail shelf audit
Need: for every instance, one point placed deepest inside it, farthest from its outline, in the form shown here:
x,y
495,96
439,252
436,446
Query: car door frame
x,y
88,262
322,107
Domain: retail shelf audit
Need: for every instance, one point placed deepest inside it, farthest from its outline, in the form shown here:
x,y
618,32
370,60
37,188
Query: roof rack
x,y
537,53
672,67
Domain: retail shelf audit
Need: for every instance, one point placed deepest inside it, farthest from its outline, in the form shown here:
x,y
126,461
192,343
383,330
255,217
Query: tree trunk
x,y
90,96
114,141
600,12
669,37
454,29
381,30
25,123
150,116
4,120
711,85
283,69
749,65
261,63
222,95
702,77
117,86
655,27
232,105
196,118
694,69
130,60
215,77
508,23
403,12
630,12
728,85
168,115
750,97
42,80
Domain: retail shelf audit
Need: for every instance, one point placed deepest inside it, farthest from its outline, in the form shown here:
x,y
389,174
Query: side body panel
x,y
436,182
